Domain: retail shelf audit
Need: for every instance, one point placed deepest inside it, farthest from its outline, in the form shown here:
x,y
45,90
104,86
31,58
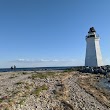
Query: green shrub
x,y
22,101
44,87
18,83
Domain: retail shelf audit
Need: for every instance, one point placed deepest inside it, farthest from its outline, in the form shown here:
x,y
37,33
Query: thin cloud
x,y
41,63
41,60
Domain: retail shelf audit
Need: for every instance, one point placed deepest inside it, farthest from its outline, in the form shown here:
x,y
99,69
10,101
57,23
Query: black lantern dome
x,y
92,30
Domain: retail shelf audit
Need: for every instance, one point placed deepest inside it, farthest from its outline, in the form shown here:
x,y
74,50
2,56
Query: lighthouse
x,y
93,53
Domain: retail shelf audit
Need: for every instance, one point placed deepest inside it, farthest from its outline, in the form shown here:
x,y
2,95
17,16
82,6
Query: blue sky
x,y
51,32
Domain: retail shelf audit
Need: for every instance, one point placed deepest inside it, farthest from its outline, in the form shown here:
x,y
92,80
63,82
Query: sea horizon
x,y
36,68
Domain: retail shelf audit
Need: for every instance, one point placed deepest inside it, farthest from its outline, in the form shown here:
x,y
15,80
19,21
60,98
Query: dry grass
x,y
89,83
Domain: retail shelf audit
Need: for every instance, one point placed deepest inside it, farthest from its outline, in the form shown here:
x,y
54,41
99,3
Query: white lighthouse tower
x,y
93,52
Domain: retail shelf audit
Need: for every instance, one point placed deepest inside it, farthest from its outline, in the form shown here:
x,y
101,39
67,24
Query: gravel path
x,y
80,99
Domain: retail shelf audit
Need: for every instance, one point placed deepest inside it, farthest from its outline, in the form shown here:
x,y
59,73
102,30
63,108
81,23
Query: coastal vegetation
x,y
40,89
43,75
56,90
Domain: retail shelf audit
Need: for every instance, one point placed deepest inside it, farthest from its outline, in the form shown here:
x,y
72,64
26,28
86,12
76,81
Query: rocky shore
x,y
52,90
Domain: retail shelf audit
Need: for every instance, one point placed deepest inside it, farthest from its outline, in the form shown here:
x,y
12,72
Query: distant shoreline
x,y
35,69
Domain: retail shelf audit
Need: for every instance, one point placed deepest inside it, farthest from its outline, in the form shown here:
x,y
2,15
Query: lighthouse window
x,y
91,36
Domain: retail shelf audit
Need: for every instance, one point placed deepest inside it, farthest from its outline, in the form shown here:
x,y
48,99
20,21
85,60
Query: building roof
x,y
92,30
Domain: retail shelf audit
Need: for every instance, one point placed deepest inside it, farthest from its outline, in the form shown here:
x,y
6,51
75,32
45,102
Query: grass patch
x,y
12,77
40,89
27,87
22,101
24,73
4,98
6,108
68,70
37,91
44,87
1,100
77,68
43,75
14,93
18,83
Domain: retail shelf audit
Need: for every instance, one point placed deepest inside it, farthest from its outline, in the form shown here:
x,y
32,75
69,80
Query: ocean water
x,y
34,69
104,83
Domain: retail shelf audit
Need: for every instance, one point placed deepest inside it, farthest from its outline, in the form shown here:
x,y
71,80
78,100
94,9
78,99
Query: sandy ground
x,y
53,90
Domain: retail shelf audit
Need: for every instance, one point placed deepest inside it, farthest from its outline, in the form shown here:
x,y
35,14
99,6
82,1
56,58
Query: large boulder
x,y
108,74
